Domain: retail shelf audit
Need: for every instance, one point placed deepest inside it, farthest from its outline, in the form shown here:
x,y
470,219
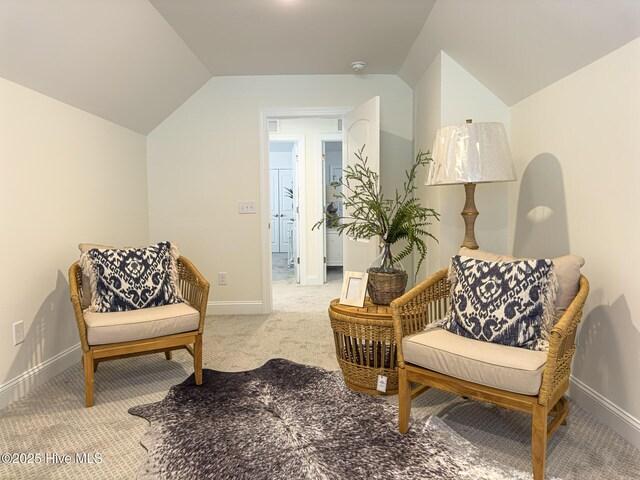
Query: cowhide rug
x,y
289,421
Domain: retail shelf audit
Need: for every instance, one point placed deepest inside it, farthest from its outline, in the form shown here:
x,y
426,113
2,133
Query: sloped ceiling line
x,y
516,48
134,62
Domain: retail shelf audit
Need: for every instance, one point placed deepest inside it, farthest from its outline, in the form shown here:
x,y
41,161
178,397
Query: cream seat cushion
x,y
114,327
508,368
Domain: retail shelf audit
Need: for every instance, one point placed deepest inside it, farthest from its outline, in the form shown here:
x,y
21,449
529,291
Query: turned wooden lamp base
x,y
469,214
469,154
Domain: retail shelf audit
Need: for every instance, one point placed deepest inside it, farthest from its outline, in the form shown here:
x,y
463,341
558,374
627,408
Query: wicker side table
x,y
365,346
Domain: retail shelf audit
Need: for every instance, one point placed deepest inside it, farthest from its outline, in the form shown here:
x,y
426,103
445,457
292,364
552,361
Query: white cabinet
x,y
334,249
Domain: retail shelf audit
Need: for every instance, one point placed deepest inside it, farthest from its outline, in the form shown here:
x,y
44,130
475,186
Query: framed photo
x,y
335,173
354,288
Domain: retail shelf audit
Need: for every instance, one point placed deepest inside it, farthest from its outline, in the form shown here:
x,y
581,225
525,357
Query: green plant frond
x,y
368,213
318,224
404,252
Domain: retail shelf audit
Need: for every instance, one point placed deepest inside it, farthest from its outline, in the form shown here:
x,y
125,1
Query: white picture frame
x,y
335,173
354,288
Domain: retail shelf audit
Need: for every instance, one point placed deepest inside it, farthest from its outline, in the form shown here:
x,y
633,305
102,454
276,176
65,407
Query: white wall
x,y
448,95
576,145
205,158
280,159
464,97
427,105
333,161
333,157
68,177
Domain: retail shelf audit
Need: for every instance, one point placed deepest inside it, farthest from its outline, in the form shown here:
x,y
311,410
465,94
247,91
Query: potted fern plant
x,y
368,214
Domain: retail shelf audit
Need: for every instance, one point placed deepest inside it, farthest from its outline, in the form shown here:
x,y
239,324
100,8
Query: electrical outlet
x,y
222,278
247,208
18,332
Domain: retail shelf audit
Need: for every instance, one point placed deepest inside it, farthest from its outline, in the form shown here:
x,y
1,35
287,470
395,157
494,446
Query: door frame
x,y
320,140
265,236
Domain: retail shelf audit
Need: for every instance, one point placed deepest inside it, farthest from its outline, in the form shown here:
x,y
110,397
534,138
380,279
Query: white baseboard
x,y
608,412
220,307
28,381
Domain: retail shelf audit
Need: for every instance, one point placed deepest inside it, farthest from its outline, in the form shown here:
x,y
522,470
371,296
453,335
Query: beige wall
x,y
205,158
464,97
448,95
67,177
576,146
427,105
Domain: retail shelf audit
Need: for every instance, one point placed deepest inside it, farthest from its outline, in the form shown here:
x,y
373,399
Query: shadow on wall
x,y
45,336
541,223
599,334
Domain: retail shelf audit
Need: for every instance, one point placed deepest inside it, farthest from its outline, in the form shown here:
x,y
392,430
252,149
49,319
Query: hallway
x,y
288,296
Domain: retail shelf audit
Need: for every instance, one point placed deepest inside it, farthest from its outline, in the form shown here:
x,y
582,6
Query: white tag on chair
x,y
382,384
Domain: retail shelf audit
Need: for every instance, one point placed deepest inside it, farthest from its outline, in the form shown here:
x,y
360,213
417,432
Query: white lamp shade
x,y
471,153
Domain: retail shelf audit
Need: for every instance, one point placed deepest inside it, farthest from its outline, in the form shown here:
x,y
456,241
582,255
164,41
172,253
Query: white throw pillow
x,y
85,301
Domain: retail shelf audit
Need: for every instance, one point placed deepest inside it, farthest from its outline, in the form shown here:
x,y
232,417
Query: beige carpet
x,y
312,298
291,297
53,419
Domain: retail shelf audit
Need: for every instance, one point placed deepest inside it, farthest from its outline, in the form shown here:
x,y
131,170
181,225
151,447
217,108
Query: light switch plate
x,y
245,208
18,332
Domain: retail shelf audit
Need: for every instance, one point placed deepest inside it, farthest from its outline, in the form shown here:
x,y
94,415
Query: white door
x,y
285,187
361,127
275,211
282,211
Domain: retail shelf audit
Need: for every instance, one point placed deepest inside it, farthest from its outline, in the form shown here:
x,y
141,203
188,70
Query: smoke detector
x,y
358,65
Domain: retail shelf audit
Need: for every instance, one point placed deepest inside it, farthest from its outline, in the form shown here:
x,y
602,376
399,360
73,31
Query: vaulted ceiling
x,y
135,61
517,47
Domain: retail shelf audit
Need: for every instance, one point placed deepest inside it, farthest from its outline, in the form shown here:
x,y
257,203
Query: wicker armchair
x,y
195,290
427,303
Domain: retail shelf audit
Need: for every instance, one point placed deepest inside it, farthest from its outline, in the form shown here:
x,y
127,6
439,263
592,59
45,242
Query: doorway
x,y
304,154
283,206
361,126
331,147
297,192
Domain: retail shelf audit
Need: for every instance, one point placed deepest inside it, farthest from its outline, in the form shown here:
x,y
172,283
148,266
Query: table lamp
x,y
469,154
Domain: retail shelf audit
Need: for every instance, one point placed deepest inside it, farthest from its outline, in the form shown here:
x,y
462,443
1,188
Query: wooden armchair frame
x,y
427,303
195,290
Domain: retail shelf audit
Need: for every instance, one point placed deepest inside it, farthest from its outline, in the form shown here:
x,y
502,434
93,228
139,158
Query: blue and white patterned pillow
x,y
132,278
510,303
